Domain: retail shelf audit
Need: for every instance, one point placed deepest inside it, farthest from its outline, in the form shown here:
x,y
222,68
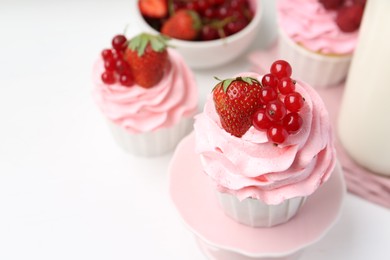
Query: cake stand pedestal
x,y
220,237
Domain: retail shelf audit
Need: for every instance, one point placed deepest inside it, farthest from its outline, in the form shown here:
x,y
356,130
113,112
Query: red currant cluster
x,y
116,68
220,18
281,103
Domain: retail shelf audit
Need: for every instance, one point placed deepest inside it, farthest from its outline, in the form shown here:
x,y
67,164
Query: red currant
x,y
121,66
236,13
281,69
216,2
236,4
286,86
126,80
267,94
349,17
119,42
208,33
108,77
275,110
210,13
109,65
236,26
178,5
107,54
277,134
260,120
192,6
269,80
292,122
294,101
203,5
117,54
223,12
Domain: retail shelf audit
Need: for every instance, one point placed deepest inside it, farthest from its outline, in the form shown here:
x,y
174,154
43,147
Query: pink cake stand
x,y
220,237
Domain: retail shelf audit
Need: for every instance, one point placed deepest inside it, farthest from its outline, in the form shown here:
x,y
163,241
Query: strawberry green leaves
x,y
139,43
227,82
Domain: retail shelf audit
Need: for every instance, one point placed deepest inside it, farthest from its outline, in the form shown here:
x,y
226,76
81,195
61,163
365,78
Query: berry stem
x,y
171,9
125,32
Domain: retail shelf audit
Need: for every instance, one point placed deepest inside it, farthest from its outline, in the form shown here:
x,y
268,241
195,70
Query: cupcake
x,y
146,92
319,37
265,144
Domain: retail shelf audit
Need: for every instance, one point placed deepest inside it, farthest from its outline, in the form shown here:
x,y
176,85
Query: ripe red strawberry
x,y
183,25
148,59
153,8
349,17
236,100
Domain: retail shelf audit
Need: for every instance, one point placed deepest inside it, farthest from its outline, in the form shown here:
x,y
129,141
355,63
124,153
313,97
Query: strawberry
x,y
236,100
148,59
183,25
349,17
153,8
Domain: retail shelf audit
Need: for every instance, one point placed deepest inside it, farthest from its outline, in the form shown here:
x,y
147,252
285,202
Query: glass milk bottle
x,y
364,120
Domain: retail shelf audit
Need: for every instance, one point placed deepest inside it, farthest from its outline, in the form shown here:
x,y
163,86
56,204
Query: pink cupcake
x,y
319,38
261,179
150,100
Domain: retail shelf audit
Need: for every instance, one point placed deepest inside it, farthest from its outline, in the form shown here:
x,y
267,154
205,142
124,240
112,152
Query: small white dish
x,y
208,54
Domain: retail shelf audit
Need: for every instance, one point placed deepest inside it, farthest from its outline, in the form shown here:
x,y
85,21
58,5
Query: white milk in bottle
x,y
364,120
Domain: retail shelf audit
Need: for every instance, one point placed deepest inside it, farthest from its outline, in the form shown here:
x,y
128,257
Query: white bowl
x,y
207,54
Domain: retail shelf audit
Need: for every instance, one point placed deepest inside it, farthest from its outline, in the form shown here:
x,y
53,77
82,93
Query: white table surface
x,y
66,190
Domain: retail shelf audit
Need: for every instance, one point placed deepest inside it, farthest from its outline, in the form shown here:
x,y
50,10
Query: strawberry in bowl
x,y
196,20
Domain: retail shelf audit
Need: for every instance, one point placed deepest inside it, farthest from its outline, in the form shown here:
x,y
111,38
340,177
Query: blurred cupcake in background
x,y
318,37
146,92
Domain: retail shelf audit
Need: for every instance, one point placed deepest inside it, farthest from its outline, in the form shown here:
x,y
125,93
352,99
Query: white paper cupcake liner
x,y
318,70
255,213
151,143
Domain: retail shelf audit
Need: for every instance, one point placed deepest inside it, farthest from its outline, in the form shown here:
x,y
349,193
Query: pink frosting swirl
x,y
251,166
142,110
308,23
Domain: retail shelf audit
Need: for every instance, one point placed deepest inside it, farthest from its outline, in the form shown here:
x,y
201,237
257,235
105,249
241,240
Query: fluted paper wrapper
x,y
255,213
316,69
153,143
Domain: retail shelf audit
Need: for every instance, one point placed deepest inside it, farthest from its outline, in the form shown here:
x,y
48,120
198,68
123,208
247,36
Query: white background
x,y
66,190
